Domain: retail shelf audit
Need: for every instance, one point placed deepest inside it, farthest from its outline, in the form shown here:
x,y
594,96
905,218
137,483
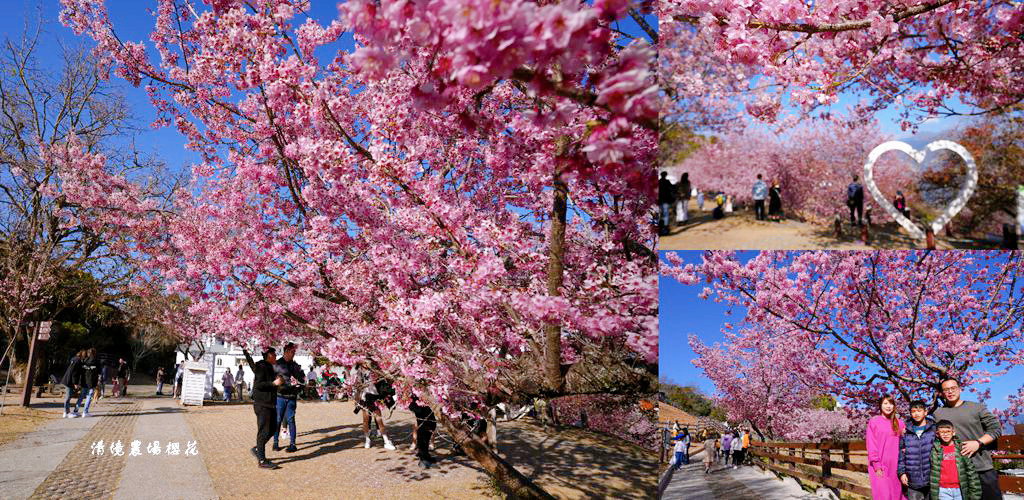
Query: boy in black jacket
x,y
264,399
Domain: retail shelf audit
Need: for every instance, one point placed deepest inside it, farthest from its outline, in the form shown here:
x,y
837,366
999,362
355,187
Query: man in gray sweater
x,y
978,429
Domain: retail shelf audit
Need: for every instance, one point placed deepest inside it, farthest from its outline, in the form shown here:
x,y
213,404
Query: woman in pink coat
x,y
883,444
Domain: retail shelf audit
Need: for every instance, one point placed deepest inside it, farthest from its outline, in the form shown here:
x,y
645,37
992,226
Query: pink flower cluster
x,y
855,325
394,202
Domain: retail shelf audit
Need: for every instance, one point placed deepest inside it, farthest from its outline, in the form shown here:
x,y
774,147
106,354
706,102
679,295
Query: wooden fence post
x,y
826,467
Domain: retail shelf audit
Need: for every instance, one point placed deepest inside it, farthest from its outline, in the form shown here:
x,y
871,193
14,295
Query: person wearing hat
x,y
264,398
288,394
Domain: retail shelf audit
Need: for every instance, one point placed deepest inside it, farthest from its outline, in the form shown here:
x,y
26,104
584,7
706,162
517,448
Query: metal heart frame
x,y
966,191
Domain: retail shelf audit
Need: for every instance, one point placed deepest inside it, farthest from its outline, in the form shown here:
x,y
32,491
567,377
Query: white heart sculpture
x,y
954,208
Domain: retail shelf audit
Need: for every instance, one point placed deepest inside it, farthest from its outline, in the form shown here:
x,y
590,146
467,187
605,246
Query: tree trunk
x,y
511,481
554,379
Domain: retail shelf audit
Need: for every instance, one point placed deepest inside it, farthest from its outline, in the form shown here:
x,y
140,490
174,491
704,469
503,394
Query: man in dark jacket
x,y
915,466
72,381
264,397
287,396
90,378
666,197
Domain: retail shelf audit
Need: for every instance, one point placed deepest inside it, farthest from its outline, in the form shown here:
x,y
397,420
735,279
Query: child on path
x,y
680,450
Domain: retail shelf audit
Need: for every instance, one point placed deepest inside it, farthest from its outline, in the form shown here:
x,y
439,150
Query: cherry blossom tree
x,y
856,325
997,144
463,195
813,162
922,55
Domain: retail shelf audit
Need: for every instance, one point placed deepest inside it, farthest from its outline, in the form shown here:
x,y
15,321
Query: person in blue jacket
x,y
915,463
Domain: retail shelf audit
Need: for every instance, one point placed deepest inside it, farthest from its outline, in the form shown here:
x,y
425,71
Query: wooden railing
x,y
844,465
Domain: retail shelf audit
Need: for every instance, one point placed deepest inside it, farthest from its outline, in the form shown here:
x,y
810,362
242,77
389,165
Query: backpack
x,y
852,191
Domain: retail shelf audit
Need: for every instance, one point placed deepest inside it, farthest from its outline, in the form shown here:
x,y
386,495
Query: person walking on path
x,y
90,378
855,201
726,451
759,192
160,381
709,451
680,451
883,446
687,441
700,201
737,451
666,197
915,466
72,381
124,374
367,395
240,383
264,402
978,429
179,375
775,202
101,384
952,474
683,189
228,382
288,393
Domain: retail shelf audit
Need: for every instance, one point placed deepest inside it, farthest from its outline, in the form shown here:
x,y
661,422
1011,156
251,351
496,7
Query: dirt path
x,y
741,231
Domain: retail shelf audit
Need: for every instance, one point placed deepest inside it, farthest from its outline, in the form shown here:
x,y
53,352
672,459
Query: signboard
x,y
193,383
44,330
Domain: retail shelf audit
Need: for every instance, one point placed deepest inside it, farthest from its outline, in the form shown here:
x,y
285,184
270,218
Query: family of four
x,y
943,456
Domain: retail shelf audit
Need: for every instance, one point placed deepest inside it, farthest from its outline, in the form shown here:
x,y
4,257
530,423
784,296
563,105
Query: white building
x,y
221,355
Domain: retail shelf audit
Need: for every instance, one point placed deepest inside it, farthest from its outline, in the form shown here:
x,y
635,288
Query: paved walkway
x,y
745,483
60,459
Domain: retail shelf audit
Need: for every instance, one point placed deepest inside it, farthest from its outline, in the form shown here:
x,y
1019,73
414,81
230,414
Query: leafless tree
x,y
43,244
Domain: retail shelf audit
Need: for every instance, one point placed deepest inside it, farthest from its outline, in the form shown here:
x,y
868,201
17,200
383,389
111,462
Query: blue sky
x,y
682,313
